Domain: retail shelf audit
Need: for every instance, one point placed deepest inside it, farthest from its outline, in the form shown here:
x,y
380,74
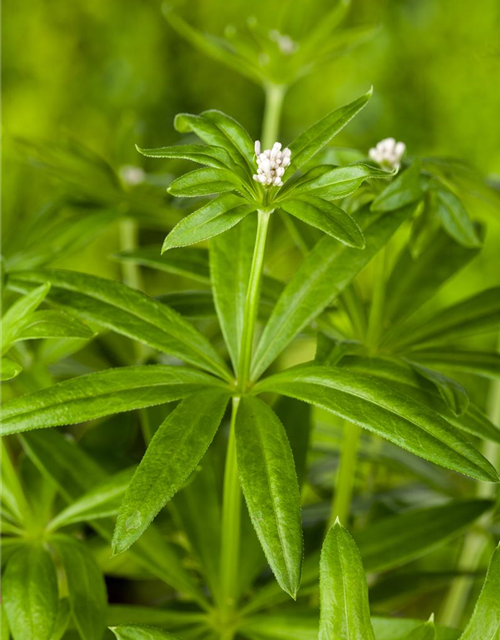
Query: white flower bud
x,y
257,147
388,153
271,164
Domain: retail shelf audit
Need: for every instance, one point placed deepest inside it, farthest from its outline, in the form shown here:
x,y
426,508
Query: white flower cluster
x,y
388,153
271,164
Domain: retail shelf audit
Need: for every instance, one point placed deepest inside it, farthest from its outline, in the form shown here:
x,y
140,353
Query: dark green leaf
x,y
127,311
86,588
176,448
452,393
325,272
455,219
140,632
189,262
215,157
234,132
54,324
296,418
204,182
345,612
485,621
269,482
100,394
214,218
404,190
327,217
29,588
481,363
382,409
316,137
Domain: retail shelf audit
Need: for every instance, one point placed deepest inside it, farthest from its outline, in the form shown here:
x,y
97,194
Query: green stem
x,y
252,301
231,507
129,236
275,95
344,484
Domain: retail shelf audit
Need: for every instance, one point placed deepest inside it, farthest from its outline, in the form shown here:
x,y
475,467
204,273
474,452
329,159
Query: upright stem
x,y
346,474
275,95
231,506
252,301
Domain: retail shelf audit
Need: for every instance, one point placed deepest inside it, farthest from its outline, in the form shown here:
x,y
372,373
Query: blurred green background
x,y
112,73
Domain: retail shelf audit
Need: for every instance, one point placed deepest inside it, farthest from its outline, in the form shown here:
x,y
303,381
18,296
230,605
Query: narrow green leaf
x,y
269,483
480,363
332,182
214,218
455,219
376,406
452,393
86,587
215,157
296,418
63,618
230,263
204,182
29,591
345,612
323,29
327,217
405,189
54,324
233,130
316,137
12,495
426,631
141,632
126,311
9,369
15,317
101,394
189,262
325,272
485,621
176,448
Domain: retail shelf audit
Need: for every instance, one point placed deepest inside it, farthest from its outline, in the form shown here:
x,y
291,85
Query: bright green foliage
x,y
139,632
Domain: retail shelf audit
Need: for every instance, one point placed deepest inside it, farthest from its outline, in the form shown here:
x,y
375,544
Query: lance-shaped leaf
x,y
316,137
189,262
16,316
324,273
126,311
205,182
381,409
234,132
331,182
345,612
269,483
173,453
230,263
478,314
455,219
214,218
101,394
54,324
452,393
426,631
29,592
215,157
327,217
86,587
485,621
141,632
405,189
9,369
481,363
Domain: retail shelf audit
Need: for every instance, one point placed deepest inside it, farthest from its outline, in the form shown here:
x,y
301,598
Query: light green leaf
x,y
100,502
140,632
452,393
316,137
15,317
480,363
230,263
126,311
405,189
86,587
455,219
345,612
190,262
54,324
215,157
214,218
29,588
176,448
269,483
327,217
485,621
376,406
101,394
9,369
426,631
204,182
63,618
323,29
12,494
324,273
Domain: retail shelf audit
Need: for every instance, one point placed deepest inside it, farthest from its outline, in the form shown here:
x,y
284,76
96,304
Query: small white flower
x,y
284,42
132,175
388,153
271,164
